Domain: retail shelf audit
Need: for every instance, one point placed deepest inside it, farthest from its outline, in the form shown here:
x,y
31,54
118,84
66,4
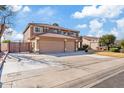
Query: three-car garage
x,y
52,44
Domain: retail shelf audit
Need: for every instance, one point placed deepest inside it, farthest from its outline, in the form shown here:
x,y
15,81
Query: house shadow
x,y
64,54
1,69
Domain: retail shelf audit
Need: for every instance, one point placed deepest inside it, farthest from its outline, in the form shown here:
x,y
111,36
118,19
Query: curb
x,y
3,60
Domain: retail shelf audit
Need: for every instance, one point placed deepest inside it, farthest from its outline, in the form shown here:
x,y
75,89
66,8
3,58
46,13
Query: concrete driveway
x,y
51,70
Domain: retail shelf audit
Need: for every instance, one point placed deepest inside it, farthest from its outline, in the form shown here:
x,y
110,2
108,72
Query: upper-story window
x,y
38,29
55,31
59,31
62,32
65,33
73,34
45,29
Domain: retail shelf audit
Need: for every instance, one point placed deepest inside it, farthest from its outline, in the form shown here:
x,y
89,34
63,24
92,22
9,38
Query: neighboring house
x,y
117,42
92,42
46,38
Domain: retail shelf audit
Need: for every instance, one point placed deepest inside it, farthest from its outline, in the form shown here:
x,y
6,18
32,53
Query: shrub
x,y
116,46
6,41
86,50
115,49
85,47
80,49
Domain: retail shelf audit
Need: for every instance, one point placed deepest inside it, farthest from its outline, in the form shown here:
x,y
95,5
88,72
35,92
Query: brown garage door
x,y
70,46
49,46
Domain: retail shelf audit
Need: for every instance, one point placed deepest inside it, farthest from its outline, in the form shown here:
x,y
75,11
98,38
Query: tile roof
x,y
56,36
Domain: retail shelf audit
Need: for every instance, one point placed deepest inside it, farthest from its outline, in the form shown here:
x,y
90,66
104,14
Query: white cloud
x,y
114,32
96,28
117,31
46,11
101,11
21,8
97,34
81,26
120,28
15,8
11,34
26,9
120,23
95,25
18,37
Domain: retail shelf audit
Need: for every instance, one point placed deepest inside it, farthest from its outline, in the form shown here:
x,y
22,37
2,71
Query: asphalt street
x,y
116,81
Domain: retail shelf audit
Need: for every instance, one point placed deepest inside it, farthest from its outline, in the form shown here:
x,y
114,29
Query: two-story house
x,y
92,42
46,38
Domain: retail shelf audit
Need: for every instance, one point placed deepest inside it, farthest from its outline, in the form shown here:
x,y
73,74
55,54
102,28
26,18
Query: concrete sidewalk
x,y
62,76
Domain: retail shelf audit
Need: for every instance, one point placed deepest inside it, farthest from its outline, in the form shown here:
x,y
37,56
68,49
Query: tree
x,y
122,43
2,7
6,15
55,24
107,40
2,19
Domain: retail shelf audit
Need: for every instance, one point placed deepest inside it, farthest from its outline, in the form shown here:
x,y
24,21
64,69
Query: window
x,y
73,34
55,31
62,32
38,29
59,31
65,33
46,29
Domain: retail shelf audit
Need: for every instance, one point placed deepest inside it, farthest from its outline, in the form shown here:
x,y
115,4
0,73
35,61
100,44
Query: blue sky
x,y
89,20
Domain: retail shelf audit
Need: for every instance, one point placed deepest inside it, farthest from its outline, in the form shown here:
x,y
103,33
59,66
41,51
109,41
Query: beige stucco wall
x,y
94,45
85,41
27,35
